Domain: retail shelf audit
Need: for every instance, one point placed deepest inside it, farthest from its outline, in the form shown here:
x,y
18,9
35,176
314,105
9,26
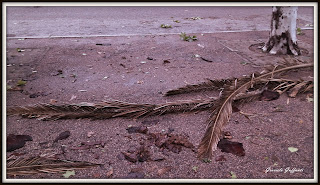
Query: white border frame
x,y
5,180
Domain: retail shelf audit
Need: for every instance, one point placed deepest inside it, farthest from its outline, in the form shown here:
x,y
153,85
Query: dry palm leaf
x,y
219,117
34,165
112,109
209,85
298,88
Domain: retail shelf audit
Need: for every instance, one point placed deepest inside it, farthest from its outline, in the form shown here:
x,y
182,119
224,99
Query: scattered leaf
x,y
164,170
177,21
166,26
62,135
185,37
309,98
293,149
21,83
195,18
9,87
110,172
68,174
299,31
53,101
166,62
36,165
195,168
233,175
16,141
231,147
143,154
138,129
132,157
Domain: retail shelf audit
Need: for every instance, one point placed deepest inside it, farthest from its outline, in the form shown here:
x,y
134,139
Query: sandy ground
x,y
132,69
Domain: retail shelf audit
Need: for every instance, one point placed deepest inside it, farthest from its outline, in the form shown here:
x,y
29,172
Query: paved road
x,y
114,21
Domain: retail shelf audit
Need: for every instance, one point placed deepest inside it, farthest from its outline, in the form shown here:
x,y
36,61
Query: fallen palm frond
x,y
233,91
34,165
219,117
112,109
209,85
107,109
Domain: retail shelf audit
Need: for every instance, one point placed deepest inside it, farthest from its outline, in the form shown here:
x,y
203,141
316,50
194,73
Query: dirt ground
x,y
140,69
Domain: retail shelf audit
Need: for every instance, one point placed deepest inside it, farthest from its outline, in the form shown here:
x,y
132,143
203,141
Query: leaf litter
x,y
235,91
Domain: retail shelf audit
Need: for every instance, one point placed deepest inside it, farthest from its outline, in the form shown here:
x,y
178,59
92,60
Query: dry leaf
x,y
62,135
110,172
34,165
68,174
164,170
235,148
16,141
293,149
53,101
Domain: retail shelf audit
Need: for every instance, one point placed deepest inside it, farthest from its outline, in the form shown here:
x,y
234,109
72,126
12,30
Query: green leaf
x,y
21,83
292,149
233,175
185,37
9,87
299,31
166,26
68,174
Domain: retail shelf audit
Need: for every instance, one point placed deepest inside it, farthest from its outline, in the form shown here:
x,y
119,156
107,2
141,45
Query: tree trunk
x,y
283,37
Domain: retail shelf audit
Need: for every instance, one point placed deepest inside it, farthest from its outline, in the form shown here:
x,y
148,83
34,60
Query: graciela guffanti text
x,y
283,170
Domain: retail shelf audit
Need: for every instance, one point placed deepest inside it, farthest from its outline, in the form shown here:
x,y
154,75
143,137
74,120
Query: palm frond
x,y
220,117
209,85
34,165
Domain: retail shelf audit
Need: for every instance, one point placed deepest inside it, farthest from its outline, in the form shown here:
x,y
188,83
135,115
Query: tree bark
x,y
283,36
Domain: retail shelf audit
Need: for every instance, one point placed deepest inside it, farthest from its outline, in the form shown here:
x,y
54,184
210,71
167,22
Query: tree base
x,y
281,45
